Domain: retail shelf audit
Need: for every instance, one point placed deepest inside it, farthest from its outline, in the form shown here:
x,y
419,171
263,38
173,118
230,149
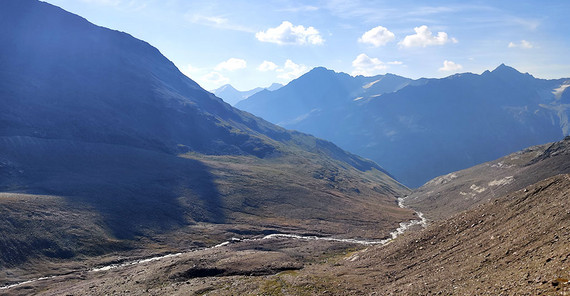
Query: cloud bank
x,y
286,33
367,66
378,36
231,64
424,37
449,66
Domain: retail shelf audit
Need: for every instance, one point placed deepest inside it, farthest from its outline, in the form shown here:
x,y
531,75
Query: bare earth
x,y
515,245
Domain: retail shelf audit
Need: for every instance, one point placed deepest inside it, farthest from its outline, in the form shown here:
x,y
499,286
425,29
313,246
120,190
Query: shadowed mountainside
x,y
117,150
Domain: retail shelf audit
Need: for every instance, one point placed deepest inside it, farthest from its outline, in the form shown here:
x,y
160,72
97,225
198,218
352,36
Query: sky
x,y
256,43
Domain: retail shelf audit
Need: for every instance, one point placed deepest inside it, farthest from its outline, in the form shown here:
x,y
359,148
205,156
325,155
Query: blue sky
x,y
255,43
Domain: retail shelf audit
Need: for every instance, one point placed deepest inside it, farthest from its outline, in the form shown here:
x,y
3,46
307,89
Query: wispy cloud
x,y
377,36
449,66
302,8
287,33
529,24
124,5
267,66
424,37
521,44
104,2
291,70
214,78
218,22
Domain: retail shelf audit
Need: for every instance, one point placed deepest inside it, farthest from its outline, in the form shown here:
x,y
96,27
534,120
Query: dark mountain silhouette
x,y
423,128
106,146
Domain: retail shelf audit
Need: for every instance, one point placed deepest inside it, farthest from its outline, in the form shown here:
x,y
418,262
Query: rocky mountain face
x,y
449,194
420,129
106,147
232,96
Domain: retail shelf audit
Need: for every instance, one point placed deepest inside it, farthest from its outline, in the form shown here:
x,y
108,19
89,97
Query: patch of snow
x,y
557,92
477,189
369,85
502,165
442,180
503,181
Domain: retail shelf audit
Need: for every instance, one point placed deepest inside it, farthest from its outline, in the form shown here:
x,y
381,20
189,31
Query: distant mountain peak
x,y
320,69
507,71
225,87
274,86
504,68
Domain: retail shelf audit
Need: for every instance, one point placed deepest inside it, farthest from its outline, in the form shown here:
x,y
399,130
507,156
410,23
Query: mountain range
x,y
232,96
107,149
424,128
119,175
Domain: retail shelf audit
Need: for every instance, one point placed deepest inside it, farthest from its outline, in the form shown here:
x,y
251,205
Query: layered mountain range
x,y
420,129
106,148
120,175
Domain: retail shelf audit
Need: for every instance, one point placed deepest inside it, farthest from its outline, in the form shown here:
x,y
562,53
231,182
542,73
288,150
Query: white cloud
x,y
231,64
367,66
267,66
395,63
522,44
291,70
215,78
377,36
286,33
449,66
190,70
424,37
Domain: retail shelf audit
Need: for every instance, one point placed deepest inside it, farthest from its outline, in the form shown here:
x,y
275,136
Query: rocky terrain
x,y
514,245
449,194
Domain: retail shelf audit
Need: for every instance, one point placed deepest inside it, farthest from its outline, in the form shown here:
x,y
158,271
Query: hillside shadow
x,y
136,191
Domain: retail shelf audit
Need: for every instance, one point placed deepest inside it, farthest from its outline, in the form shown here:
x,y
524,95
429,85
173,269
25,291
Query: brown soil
x,y
516,245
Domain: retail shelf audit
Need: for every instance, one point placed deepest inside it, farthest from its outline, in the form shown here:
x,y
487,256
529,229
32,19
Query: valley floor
x,y
518,244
